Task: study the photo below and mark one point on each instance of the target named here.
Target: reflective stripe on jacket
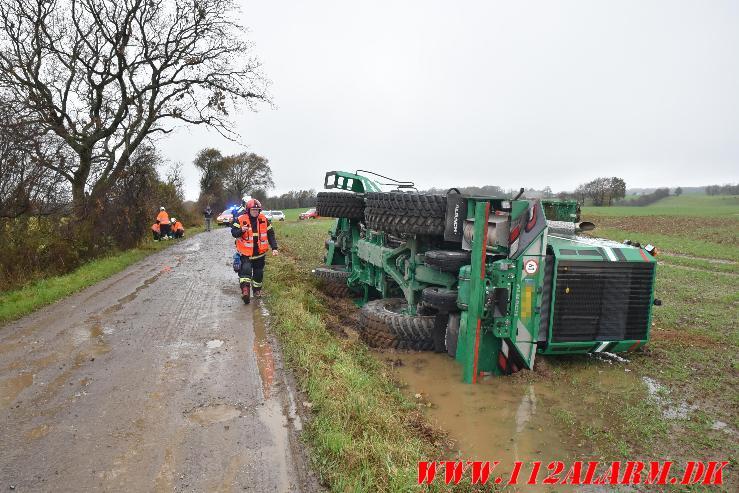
(245, 244)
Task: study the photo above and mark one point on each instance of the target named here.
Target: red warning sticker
(531, 266)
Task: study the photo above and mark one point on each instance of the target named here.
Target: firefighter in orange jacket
(254, 237)
(164, 226)
(156, 231)
(178, 230)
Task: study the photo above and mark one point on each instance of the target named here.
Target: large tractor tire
(447, 260)
(333, 280)
(406, 213)
(444, 300)
(452, 334)
(383, 325)
(383, 340)
(338, 204)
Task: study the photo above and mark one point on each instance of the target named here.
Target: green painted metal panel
(350, 181)
(434, 277)
(469, 346)
(561, 210)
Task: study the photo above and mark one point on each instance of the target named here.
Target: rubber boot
(245, 293)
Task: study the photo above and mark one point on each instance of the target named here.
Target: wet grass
(20, 302)
(673, 243)
(364, 434)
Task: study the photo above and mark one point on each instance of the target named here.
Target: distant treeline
(486, 190)
(648, 198)
(722, 189)
(293, 199)
(600, 192)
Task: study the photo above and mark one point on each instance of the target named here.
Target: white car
(225, 218)
(277, 215)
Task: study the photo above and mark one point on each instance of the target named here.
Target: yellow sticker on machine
(527, 298)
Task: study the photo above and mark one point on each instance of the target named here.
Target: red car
(309, 214)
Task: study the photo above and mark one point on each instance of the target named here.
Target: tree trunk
(80, 200)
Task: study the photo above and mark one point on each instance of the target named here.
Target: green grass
(704, 264)
(673, 243)
(364, 434)
(684, 205)
(20, 302)
(695, 226)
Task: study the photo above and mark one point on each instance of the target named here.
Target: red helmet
(253, 204)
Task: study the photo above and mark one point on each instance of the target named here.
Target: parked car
(309, 214)
(277, 215)
(267, 214)
(226, 217)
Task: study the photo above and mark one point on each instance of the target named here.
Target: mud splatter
(263, 353)
(11, 387)
(38, 432)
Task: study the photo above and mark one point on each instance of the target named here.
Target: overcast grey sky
(508, 93)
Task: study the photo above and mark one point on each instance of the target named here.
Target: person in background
(254, 237)
(208, 213)
(178, 230)
(164, 225)
(156, 231)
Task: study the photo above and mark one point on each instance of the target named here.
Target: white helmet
(161, 208)
(174, 219)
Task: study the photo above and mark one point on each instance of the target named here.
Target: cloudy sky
(524, 93)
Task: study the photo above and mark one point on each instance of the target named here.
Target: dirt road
(157, 379)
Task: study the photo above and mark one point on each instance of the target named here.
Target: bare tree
(26, 187)
(103, 76)
(247, 172)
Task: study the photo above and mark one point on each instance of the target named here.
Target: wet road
(157, 379)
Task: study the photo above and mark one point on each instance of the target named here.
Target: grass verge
(364, 434)
(20, 302)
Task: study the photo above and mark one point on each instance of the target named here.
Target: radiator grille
(602, 301)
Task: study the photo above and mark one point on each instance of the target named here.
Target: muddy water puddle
(497, 419)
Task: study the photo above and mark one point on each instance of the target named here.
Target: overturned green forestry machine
(491, 281)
